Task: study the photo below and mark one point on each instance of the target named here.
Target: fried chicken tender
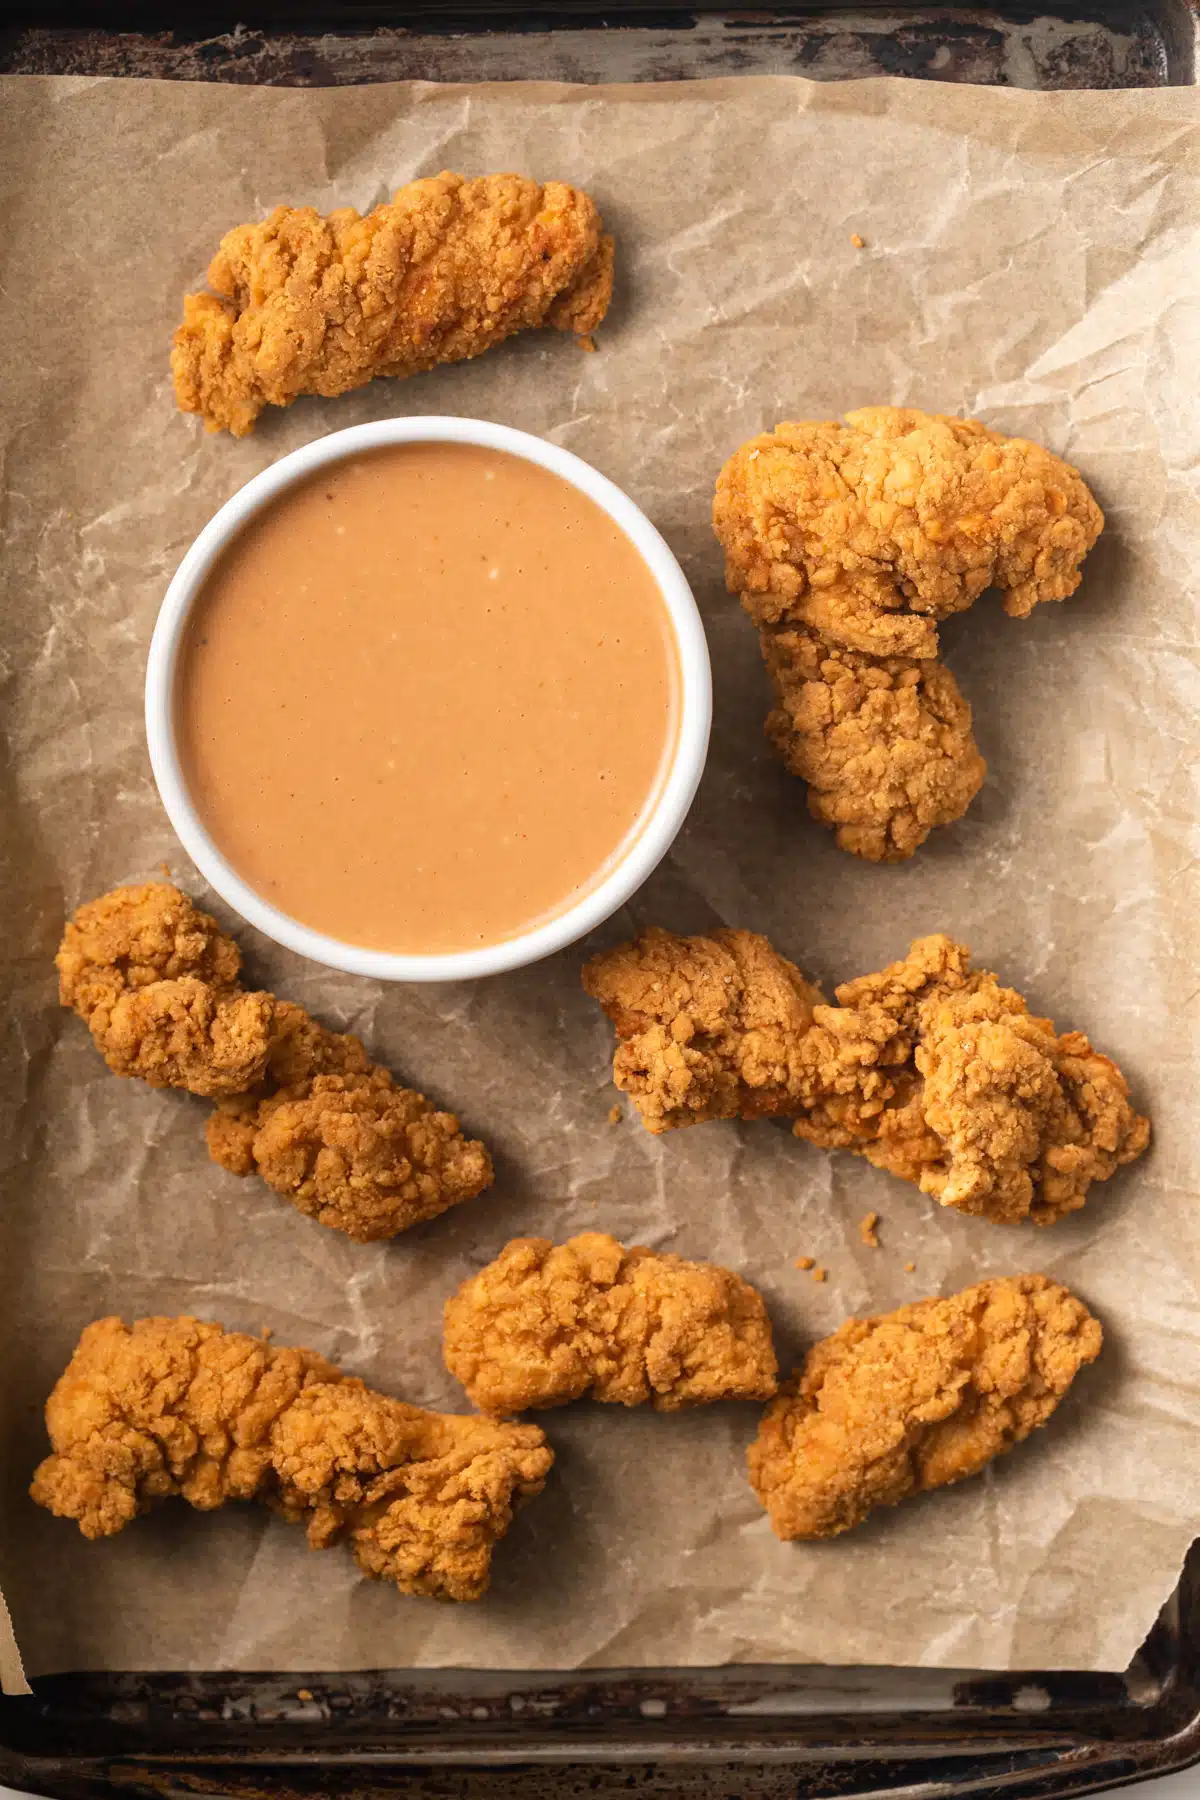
(449, 267)
(165, 1407)
(846, 543)
(422, 1498)
(545, 1323)
(929, 1069)
(304, 1107)
(180, 1407)
(872, 530)
(916, 1399)
(884, 742)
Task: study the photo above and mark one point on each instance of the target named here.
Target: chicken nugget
(156, 981)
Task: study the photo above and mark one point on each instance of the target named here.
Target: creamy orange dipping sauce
(427, 698)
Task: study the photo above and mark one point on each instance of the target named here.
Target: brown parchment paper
(1029, 258)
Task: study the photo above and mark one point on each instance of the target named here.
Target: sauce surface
(426, 698)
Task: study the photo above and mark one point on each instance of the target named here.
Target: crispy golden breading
(163, 1407)
(155, 981)
(846, 543)
(300, 1105)
(711, 1027)
(873, 529)
(309, 305)
(884, 743)
(134, 936)
(354, 1152)
(301, 1049)
(422, 1498)
(928, 1068)
(916, 1399)
(189, 1034)
(545, 1323)
(179, 1407)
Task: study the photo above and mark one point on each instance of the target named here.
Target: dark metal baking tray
(741, 1733)
(1063, 44)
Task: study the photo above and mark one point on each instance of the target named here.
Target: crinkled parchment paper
(1029, 258)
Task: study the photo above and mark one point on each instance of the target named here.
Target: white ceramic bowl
(661, 824)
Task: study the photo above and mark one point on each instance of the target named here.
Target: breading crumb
(818, 1274)
(614, 1115)
(910, 1268)
(304, 1694)
(867, 1231)
(806, 1262)
(859, 243)
(586, 343)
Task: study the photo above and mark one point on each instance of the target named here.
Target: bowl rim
(661, 825)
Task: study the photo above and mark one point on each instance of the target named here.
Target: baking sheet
(1030, 258)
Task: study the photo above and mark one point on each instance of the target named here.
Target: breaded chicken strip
(929, 1069)
(448, 268)
(872, 530)
(165, 1407)
(180, 1407)
(916, 1399)
(883, 742)
(846, 543)
(546, 1323)
(422, 1498)
(304, 1107)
